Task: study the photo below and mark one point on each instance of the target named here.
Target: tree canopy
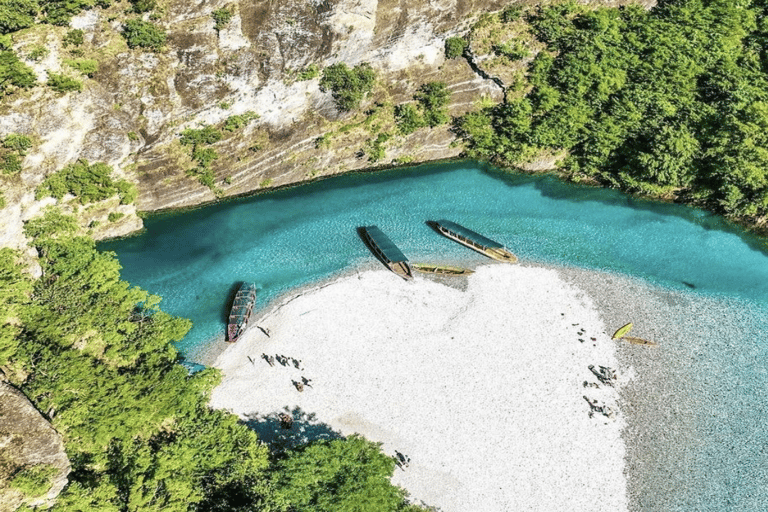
(669, 102)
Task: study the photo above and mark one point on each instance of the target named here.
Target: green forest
(670, 103)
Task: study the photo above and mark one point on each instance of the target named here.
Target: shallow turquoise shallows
(285, 239)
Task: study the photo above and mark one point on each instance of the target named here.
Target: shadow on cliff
(304, 429)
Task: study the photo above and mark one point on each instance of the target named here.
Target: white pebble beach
(481, 388)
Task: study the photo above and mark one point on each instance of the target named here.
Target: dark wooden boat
(242, 307)
(386, 251)
(473, 240)
(441, 269)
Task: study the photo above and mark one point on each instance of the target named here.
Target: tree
(455, 47)
(143, 34)
(14, 73)
(342, 475)
(17, 14)
(348, 86)
(433, 98)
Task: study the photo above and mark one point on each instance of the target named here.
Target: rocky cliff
(33, 464)
(131, 112)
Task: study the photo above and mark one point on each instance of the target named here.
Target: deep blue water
(285, 239)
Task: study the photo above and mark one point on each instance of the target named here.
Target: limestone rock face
(131, 113)
(28, 441)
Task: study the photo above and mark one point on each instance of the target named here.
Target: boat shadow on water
(273, 429)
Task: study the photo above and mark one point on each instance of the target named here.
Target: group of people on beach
(283, 360)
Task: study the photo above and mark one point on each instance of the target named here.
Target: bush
(142, 6)
(62, 83)
(17, 14)
(433, 97)
(126, 191)
(239, 121)
(59, 12)
(310, 72)
(205, 135)
(375, 147)
(88, 67)
(37, 52)
(513, 50)
(221, 17)
(34, 481)
(348, 86)
(408, 118)
(18, 143)
(73, 38)
(455, 47)
(14, 73)
(88, 183)
(204, 156)
(143, 34)
(115, 216)
(511, 13)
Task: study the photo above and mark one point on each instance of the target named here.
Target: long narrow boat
(241, 310)
(386, 251)
(473, 240)
(441, 269)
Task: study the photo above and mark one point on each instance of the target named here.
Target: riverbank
(481, 389)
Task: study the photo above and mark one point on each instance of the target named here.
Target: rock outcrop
(130, 114)
(29, 446)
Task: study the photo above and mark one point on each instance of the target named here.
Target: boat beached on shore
(386, 251)
(446, 270)
(473, 240)
(242, 306)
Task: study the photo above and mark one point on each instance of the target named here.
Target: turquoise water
(292, 237)
(706, 444)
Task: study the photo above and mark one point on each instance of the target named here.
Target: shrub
(17, 14)
(513, 50)
(115, 216)
(34, 481)
(142, 6)
(204, 156)
(205, 135)
(88, 183)
(14, 73)
(348, 86)
(88, 67)
(239, 121)
(511, 13)
(38, 52)
(455, 47)
(59, 12)
(221, 17)
(143, 34)
(18, 143)
(126, 191)
(62, 83)
(73, 38)
(310, 72)
(433, 97)
(408, 118)
(375, 147)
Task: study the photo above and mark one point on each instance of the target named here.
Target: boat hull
(496, 253)
(401, 268)
(240, 312)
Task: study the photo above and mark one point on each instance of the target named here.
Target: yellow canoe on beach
(446, 270)
(622, 331)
